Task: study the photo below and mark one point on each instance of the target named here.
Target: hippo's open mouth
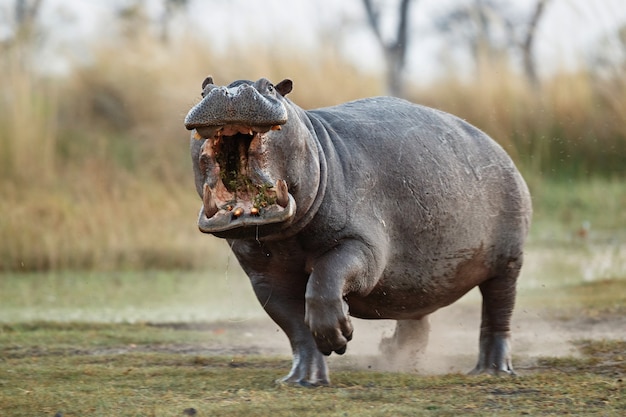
(237, 191)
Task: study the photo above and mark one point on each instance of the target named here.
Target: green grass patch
(600, 298)
(590, 300)
(605, 357)
(33, 338)
(564, 209)
(130, 296)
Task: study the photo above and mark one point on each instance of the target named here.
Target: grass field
(92, 378)
(164, 343)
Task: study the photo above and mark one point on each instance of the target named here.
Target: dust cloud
(453, 342)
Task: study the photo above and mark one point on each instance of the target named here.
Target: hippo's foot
(404, 349)
(329, 323)
(495, 355)
(309, 370)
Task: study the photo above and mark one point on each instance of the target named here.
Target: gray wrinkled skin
(393, 210)
(239, 103)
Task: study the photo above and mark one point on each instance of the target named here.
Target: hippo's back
(425, 181)
(413, 152)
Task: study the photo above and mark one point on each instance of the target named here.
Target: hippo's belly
(411, 289)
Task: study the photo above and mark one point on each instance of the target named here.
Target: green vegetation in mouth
(237, 183)
(242, 187)
(230, 161)
(262, 199)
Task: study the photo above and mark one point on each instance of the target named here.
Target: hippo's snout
(242, 104)
(238, 178)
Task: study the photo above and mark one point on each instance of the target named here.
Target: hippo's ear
(207, 81)
(284, 87)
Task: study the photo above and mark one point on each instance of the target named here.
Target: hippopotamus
(377, 209)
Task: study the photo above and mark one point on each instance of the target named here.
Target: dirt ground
(453, 345)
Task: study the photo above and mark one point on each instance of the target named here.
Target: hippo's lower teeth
(237, 212)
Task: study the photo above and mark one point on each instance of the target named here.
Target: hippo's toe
(495, 355)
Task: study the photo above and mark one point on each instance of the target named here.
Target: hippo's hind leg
(495, 330)
(406, 346)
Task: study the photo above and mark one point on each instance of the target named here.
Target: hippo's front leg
(341, 270)
(279, 280)
(286, 308)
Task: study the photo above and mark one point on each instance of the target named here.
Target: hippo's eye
(270, 88)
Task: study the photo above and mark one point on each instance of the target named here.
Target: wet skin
(377, 208)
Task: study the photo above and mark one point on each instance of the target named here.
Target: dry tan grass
(28, 123)
(574, 126)
(94, 166)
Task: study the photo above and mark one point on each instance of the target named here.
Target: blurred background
(94, 168)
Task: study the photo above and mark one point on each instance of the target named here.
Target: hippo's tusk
(282, 194)
(196, 135)
(210, 207)
(276, 127)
